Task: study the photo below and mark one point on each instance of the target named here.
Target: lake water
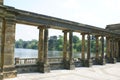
(31, 53)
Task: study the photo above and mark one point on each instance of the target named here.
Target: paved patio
(106, 72)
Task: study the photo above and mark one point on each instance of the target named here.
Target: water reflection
(31, 53)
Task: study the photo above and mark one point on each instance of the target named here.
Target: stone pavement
(105, 72)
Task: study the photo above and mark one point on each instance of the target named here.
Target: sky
(98, 13)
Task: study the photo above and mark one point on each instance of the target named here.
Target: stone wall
(26, 68)
(34, 67)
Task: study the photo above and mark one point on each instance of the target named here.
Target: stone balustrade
(23, 61)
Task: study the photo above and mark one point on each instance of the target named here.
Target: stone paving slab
(105, 72)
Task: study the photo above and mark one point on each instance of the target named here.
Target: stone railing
(22, 61)
(55, 60)
(25, 61)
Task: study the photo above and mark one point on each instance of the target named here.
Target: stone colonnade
(101, 58)
(112, 49)
(7, 41)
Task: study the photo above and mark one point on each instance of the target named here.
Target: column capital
(65, 31)
(83, 33)
(97, 36)
(43, 26)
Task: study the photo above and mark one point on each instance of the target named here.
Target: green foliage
(33, 44)
(56, 43)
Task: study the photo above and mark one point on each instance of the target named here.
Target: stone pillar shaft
(46, 45)
(68, 64)
(102, 41)
(83, 46)
(117, 51)
(1, 43)
(88, 47)
(112, 48)
(1, 2)
(108, 47)
(65, 46)
(7, 48)
(70, 46)
(43, 50)
(97, 46)
(9, 41)
(1, 47)
(40, 45)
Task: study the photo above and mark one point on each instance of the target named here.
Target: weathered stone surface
(69, 65)
(118, 59)
(56, 66)
(111, 60)
(27, 68)
(1, 2)
(44, 68)
(100, 61)
(9, 72)
(1, 75)
(86, 63)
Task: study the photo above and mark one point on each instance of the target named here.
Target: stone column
(112, 57)
(97, 46)
(70, 62)
(107, 47)
(7, 48)
(117, 51)
(1, 2)
(88, 47)
(83, 46)
(88, 61)
(97, 59)
(114, 50)
(70, 46)
(65, 47)
(65, 56)
(83, 49)
(46, 46)
(1, 55)
(40, 45)
(102, 55)
(44, 65)
(119, 48)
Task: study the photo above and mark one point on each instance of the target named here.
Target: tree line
(55, 43)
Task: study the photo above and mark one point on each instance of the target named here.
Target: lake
(31, 53)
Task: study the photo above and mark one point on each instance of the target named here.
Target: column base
(69, 65)
(86, 63)
(111, 60)
(100, 61)
(44, 68)
(1, 76)
(9, 72)
(118, 59)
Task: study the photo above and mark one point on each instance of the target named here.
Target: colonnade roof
(30, 18)
(113, 26)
